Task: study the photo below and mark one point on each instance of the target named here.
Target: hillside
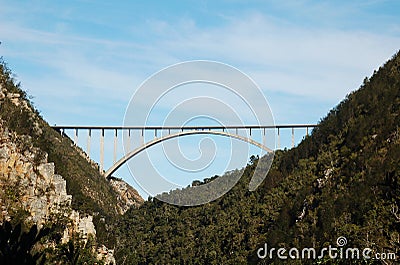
(34, 158)
(342, 180)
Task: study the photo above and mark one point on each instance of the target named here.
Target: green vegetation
(75, 251)
(17, 246)
(343, 180)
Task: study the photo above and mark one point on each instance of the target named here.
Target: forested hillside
(342, 180)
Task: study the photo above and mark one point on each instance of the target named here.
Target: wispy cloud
(315, 62)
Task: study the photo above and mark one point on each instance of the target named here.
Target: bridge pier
(279, 139)
(129, 141)
(264, 138)
(89, 139)
(76, 136)
(115, 145)
(292, 137)
(102, 150)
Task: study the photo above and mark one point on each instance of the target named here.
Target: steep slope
(91, 192)
(343, 180)
(353, 159)
(31, 196)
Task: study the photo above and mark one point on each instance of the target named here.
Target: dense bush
(343, 180)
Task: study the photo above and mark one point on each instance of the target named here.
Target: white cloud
(316, 63)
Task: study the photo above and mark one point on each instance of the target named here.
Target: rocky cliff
(32, 193)
(34, 189)
(127, 196)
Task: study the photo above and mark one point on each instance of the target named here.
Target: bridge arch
(155, 141)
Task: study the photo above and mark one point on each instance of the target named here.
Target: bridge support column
(115, 145)
(102, 150)
(76, 136)
(128, 144)
(264, 138)
(292, 137)
(88, 142)
(279, 139)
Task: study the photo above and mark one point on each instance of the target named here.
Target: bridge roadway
(182, 131)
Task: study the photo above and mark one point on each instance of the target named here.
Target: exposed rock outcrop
(34, 189)
(38, 193)
(128, 196)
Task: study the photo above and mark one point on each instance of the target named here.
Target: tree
(16, 246)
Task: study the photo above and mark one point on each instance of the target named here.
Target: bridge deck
(68, 127)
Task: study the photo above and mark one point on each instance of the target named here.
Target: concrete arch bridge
(170, 132)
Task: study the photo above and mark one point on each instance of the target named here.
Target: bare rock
(127, 196)
(38, 190)
(46, 171)
(13, 95)
(4, 153)
(106, 255)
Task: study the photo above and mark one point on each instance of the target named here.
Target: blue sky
(82, 60)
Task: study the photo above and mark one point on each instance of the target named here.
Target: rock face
(37, 192)
(128, 196)
(35, 189)
(106, 255)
